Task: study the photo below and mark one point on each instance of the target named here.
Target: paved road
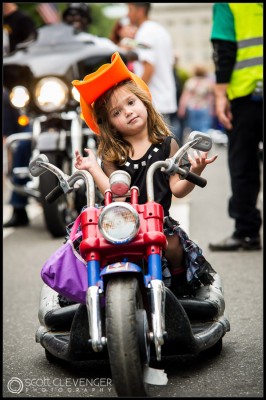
(237, 372)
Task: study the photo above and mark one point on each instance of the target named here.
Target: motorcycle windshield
(57, 51)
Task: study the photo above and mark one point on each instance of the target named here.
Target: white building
(189, 25)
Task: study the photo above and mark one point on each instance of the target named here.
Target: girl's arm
(181, 187)
(91, 165)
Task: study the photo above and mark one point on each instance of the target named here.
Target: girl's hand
(199, 162)
(87, 163)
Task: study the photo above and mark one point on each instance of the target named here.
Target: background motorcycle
(127, 315)
(39, 77)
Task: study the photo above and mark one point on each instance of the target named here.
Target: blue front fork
(93, 269)
(153, 280)
(154, 270)
(154, 267)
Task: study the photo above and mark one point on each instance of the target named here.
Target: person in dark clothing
(18, 28)
(20, 158)
(78, 15)
(237, 38)
(10, 118)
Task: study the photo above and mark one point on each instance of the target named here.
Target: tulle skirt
(198, 270)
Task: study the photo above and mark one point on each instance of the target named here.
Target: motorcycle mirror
(34, 168)
(205, 144)
(119, 182)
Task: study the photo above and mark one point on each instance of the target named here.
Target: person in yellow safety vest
(237, 40)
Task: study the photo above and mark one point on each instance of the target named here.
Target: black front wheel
(127, 336)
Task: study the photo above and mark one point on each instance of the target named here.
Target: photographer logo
(15, 385)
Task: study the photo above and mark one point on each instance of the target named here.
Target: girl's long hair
(112, 147)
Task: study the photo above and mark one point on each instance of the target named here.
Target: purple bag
(66, 271)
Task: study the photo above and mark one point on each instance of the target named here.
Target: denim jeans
(199, 120)
(21, 158)
(22, 151)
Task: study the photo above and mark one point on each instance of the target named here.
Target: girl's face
(127, 113)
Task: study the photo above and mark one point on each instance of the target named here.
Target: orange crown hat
(97, 83)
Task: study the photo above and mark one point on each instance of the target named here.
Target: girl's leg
(185, 257)
(175, 254)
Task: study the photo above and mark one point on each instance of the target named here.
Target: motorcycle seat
(208, 302)
(61, 318)
(198, 309)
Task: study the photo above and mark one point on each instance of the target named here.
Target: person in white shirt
(155, 63)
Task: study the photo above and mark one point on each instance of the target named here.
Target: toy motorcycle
(127, 314)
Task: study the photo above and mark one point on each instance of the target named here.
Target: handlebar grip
(54, 194)
(196, 179)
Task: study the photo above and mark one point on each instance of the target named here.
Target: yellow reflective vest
(248, 68)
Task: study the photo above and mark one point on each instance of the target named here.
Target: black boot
(19, 218)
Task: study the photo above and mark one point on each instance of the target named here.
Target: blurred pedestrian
(196, 105)
(155, 63)
(77, 15)
(180, 76)
(123, 35)
(121, 30)
(237, 38)
(18, 28)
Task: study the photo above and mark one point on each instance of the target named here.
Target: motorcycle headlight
(75, 94)
(19, 96)
(51, 94)
(119, 222)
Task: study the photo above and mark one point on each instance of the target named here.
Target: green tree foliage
(30, 9)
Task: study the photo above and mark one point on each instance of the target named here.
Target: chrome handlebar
(199, 141)
(40, 165)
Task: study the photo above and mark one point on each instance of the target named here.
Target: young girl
(117, 105)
